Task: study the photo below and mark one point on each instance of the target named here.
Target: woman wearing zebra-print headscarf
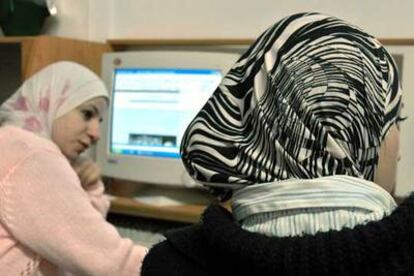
(303, 134)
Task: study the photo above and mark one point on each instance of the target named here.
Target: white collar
(330, 192)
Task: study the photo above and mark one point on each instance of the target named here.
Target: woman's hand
(88, 172)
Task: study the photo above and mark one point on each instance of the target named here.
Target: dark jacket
(218, 246)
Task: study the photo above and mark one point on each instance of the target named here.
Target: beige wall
(102, 19)
(246, 18)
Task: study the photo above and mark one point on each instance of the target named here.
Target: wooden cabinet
(23, 56)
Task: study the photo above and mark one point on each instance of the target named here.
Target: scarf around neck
(296, 207)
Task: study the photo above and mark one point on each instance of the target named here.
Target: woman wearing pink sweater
(52, 206)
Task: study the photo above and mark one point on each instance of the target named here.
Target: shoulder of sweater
(20, 140)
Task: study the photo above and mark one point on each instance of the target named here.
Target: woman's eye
(399, 120)
(87, 114)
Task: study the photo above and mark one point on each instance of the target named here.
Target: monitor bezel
(145, 169)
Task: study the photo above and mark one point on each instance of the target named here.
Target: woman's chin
(71, 155)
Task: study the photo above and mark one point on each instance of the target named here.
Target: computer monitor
(153, 97)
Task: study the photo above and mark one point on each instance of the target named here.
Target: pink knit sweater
(48, 223)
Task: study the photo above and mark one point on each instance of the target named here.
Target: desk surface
(189, 213)
(182, 204)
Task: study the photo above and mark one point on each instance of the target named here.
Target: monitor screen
(154, 95)
(153, 106)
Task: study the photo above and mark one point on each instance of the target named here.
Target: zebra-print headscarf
(313, 96)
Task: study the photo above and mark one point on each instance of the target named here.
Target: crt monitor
(154, 96)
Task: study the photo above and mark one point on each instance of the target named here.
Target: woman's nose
(93, 130)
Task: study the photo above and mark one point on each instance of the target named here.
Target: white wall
(72, 20)
(405, 167)
(99, 20)
(247, 18)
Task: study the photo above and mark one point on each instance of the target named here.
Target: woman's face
(78, 129)
(386, 172)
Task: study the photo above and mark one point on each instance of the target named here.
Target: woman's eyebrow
(94, 109)
(401, 108)
(97, 112)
